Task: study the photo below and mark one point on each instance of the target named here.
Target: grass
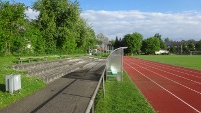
(29, 84)
(188, 61)
(122, 97)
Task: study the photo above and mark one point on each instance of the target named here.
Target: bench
(30, 59)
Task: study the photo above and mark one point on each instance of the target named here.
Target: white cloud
(31, 14)
(176, 26)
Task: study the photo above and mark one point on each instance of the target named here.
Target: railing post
(104, 84)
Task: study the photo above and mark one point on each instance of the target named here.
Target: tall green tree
(162, 43)
(35, 38)
(86, 36)
(133, 42)
(198, 46)
(173, 49)
(167, 40)
(62, 27)
(185, 48)
(191, 46)
(46, 23)
(117, 43)
(151, 45)
(12, 26)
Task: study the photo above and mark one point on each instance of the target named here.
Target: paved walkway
(69, 94)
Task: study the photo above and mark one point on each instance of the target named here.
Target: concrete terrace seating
(51, 70)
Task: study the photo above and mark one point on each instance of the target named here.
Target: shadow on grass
(2, 87)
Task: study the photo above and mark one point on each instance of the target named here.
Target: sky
(175, 19)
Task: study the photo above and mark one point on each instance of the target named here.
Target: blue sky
(141, 5)
(176, 19)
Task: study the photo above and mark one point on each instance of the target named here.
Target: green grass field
(189, 61)
(122, 97)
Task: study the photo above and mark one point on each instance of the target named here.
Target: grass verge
(122, 97)
(29, 84)
(188, 61)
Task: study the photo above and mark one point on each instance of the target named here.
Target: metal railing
(90, 108)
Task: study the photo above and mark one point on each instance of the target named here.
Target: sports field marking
(172, 73)
(171, 80)
(168, 67)
(164, 89)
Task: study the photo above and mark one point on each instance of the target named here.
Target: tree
(86, 37)
(117, 43)
(198, 46)
(162, 43)
(167, 40)
(12, 26)
(133, 42)
(101, 38)
(144, 46)
(184, 47)
(62, 27)
(151, 45)
(173, 49)
(35, 38)
(191, 46)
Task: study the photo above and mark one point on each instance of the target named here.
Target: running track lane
(169, 89)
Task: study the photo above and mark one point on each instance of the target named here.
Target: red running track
(169, 89)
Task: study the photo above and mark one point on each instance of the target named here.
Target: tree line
(59, 28)
(137, 45)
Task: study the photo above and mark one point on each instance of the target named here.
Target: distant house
(105, 46)
(178, 44)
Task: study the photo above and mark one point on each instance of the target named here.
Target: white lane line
(171, 80)
(166, 90)
(169, 72)
(166, 67)
(177, 68)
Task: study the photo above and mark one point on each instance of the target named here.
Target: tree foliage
(12, 28)
(191, 46)
(150, 45)
(117, 43)
(162, 43)
(133, 42)
(58, 28)
(198, 46)
(101, 38)
(185, 47)
(173, 49)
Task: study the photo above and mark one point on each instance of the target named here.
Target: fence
(115, 63)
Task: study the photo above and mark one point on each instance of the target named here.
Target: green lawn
(189, 61)
(29, 84)
(122, 97)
